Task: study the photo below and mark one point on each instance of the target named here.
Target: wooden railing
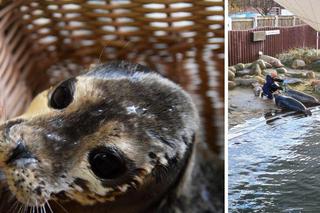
(264, 21)
(242, 48)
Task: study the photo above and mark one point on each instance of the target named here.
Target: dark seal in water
(289, 103)
(304, 98)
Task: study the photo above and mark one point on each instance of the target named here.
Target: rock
(233, 106)
(315, 66)
(268, 65)
(317, 89)
(296, 74)
(261, 63)
(239, 67)
(232, 69)
(282, 70)
(231, 75)
(243, 73)
(291, 81)
(257, 89)
(316, 86)
(310, 75)
(231, 85)
(267, 71)
(247, 76)
(315, 82)
(245, 82)
(260, 79)
(248, 66)
(271, 60)
(256, 70)
(298, 64)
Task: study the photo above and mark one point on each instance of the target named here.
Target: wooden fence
(264, 21)
(242, 48)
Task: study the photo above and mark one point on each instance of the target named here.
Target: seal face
(119, 133)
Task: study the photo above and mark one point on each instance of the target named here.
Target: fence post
(276, 21)
(294, 21)
(255, 22)
(230, 21)
(317, 42)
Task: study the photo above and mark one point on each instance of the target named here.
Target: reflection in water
(275, 167)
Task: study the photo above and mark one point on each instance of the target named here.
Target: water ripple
(275, 166)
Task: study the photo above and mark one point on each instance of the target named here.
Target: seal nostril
(19, 152)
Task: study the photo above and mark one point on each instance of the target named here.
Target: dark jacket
(270, 85)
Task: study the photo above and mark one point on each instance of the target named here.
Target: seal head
(289, 103)
(118, 135)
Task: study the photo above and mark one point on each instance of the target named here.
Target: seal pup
(289, 103)
(117, 139)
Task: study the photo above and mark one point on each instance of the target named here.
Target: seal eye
(62, 95)
(107, 163)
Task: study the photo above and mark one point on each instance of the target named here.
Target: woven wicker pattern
(34, 35)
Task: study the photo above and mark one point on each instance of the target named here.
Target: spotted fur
(126, 107)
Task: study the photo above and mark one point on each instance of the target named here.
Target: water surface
(275, 167)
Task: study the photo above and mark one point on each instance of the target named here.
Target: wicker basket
(169, 35)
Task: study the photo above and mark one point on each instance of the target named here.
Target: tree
(262, 6)
(235, 5)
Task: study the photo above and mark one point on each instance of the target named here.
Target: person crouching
(271, 85)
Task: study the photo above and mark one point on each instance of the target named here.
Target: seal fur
(149, 121)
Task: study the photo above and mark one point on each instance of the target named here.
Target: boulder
(268, 65)
(272, 60)
(256, 69)
(231, 75)
(257, 89)
(262, 64)
(315, 66)
(316, 86)
(239, 66)
(267, 71)
(310, 75)
(232, 69)
(292, 81)
(315, 82)
(245, 82)
(243, 72)
(298, 64)
(260, 79)
(248, 65)
(282, 70)
(296, 74)
(231, 85)
(317, 89)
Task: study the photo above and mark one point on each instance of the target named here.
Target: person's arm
(278, 80)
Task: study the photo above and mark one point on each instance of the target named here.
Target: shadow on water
(274, 166)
